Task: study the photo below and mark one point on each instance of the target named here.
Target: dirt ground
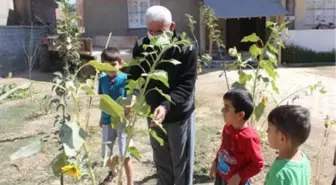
(26, 118)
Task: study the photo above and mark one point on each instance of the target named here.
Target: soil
(25, 118)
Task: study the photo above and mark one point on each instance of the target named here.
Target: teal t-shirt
(289, 172)
(114, 87)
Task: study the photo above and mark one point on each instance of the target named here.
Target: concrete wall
(318, 40)
(12, 41)
(105, 16)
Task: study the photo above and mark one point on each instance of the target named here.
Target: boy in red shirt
(239, 157)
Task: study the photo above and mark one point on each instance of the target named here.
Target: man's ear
(172, 26)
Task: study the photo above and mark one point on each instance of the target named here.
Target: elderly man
(174, 160)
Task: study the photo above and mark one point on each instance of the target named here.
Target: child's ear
(283, 138)
(241, 115)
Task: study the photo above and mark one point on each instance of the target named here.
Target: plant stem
(89, 163)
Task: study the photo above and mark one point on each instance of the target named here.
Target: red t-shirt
(240, 152)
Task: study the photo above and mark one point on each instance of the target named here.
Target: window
(137, 10)
(320, 11)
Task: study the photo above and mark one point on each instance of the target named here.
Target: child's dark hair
(241, 101)
(111, 54)
(293, 121)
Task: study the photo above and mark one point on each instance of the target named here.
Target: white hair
(158, 13)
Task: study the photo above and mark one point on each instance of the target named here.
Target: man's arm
(187, 79)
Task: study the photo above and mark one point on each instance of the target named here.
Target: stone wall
(12, 42)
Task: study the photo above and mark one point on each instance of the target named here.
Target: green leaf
(251, 38)
(89, 91)
(145, 46)
(58, 163)
(323, 90)
(183, 35)
(173, 61)
(255, 51)
(73, 137)
(161, 76)
(134, 62)
(237, 85)
(144, 110)
(110, 107)
(134, 152)
(158, 124)
(186, 42)
(164, 95)
(260, 108)
(273, 48)
(269, 24)
(243, 77)
(26, 151)
(268, 68)
(274, 87)
(11, 91)
(272, 57)
(103, 67)
(156, 137)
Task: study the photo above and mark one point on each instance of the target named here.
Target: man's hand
(160, 113)
(235, 180)
(213, 170)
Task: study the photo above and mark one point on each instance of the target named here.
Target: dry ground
(25, 118)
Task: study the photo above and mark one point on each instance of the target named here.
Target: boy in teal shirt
(288, 128)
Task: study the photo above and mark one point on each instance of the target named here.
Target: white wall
(318, 40)
(5, 5)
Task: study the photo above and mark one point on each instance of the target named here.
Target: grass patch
(296, 54)
(13, 118)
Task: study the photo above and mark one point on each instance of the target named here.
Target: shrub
(297, 54)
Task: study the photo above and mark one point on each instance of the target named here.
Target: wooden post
(281, 20)
(210, 46)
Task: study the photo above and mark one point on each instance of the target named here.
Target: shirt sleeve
(256, 161)
(187, 80)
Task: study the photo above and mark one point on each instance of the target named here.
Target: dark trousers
(220, 181)
(175, 159)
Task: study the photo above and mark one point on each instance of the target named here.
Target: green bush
(297, 54)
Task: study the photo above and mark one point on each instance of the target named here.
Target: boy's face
(230, 115)
(276, 138)
(117, 65)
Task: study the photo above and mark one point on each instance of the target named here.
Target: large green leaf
(243, 77)
(269, 24)
(161, 76)
(272, 58)
(110, 107)
(134, 152)
(103, 67)
(156, 137)
(268, 68)
(251, 38)
(273, 48)
(133, 62)
(164, 95)
(158, 124)
(260, 108)
(73, 137)
(255, 51)
(58, 163)
(144, 110)
(26, 151)
(274, 87)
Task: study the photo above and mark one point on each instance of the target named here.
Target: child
(288, 128)
(113, 84)
(239, 157)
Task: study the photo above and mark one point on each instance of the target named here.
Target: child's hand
(100, 124)
(235, 180)
(213, 170)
